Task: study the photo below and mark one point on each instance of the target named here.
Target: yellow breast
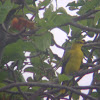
(74, 62)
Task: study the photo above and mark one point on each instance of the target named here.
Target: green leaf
(35, 88)
(2, 85)
(3, 75)
(54, 19)
(20, 65)
(29, 1)
(63, 77)
(89, 5)
(61, 19)
(41, 31)
(76, 32)
(95, 94)
(65, 28)
(14, 51)
(98, 24)
(29, 69)
(90, 22)
(97, 78)
(49, 17)
(97, 18)
(42, 42)
(38, 64)
(23, 88)
(19, 76)
(41, 22)
(71, 4)
(48, 12)
(75, 96)
(61, 10)
(97, 53)
(90, 34)
(44, 3)
(74, 4)
(4, 10)
(83, 22)
(26, 11)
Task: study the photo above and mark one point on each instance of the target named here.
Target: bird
(72, 60)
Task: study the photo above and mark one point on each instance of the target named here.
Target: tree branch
(31, 84)
(85, 28)
(86, 15)
(15, 80)
(87, 71)
(86, 87)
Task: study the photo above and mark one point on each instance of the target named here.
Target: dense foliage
(34, 36)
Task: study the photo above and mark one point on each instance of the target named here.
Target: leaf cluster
(28, 51)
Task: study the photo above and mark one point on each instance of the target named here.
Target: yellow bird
(72, 60)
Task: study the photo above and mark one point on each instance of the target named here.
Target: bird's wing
(65, 60)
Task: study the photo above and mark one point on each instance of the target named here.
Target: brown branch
(86, 87)
(88, 64)
(92, 83)
(87, 71)
(15, 80)
(18, 93)
(85, 28)
(96, 60)
(47, 86)
(85, 16)
(92, 44)
(57, 44)
(49, 96)
(29, 8)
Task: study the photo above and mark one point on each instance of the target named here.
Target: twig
(30, 9)
(92, 83)
(49, 96)
(57, 45)
(14, 77)
(96, 60)
(18, 93)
